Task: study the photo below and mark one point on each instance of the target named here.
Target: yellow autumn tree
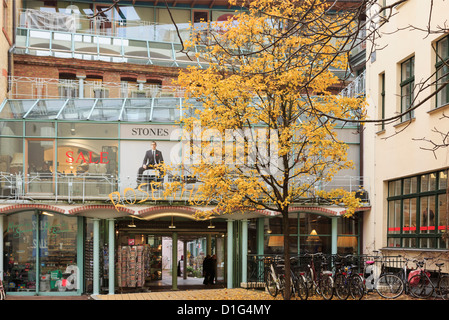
(256, 135)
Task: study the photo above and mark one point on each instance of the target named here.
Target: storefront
(41, 252)
(74, 218)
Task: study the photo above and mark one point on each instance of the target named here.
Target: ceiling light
(132, 225)
(172, 226)
(47, 214)
(211, 226)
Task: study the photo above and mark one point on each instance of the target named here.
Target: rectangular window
(382, 99)
(442, 72)
(407, 87)
(417, 211)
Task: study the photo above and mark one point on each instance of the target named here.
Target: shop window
(417, 216)
(19, 233)
(58, 253)
(87, 157)
(11, 165)
(87, 168)
(11, 155)
(49, 236)
(39, 157)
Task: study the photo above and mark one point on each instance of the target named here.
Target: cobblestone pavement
(218, 294)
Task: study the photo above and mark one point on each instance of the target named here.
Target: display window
(40, 252)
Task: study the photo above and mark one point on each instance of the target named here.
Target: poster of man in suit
(145, 150)
(153, 157)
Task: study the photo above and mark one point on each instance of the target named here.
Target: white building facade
(406, 72)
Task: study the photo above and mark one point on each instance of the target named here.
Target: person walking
(213, 269)
(207, 262)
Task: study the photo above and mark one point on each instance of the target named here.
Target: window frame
(382, 99)
(398, 232)
(440, 61)
(407, 82)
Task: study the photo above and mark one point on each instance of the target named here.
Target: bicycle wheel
(282, 285)
(443, 287)
(420, 286)
(327, 287)
(270, 284)
(341, 289)
(389, 286)
(2, 291)
(356, 287)
(301, 289)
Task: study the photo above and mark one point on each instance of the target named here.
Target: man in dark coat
(207, 263)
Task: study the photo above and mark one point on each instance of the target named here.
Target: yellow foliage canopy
(268, 87)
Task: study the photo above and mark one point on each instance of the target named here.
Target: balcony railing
(62, 44)
(103, 26)
(48, 88)
(356, 88)
(89, 187)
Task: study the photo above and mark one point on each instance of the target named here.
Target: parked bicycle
(404, 273)
(421, 286)
(274, 277)
(388, 285)
(349, 281)
(2, 290)
(318, 279)
(298, 280)
(340, 289)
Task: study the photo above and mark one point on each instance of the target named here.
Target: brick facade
(51, 68)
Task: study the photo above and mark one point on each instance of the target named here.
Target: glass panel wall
(310, 233)
(58, 253)
(20, 243)
(417, 213)
(40, 251)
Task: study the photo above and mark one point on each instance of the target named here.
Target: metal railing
(63, 44)
(50, 88)
(356, 88)
(258, 264)
(89, 186)
(104, 26)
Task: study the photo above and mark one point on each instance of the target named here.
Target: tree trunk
(285, 223)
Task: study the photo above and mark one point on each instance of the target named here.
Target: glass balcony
(62, 44)
(356, 88)
(130, 27)
(104, 109)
